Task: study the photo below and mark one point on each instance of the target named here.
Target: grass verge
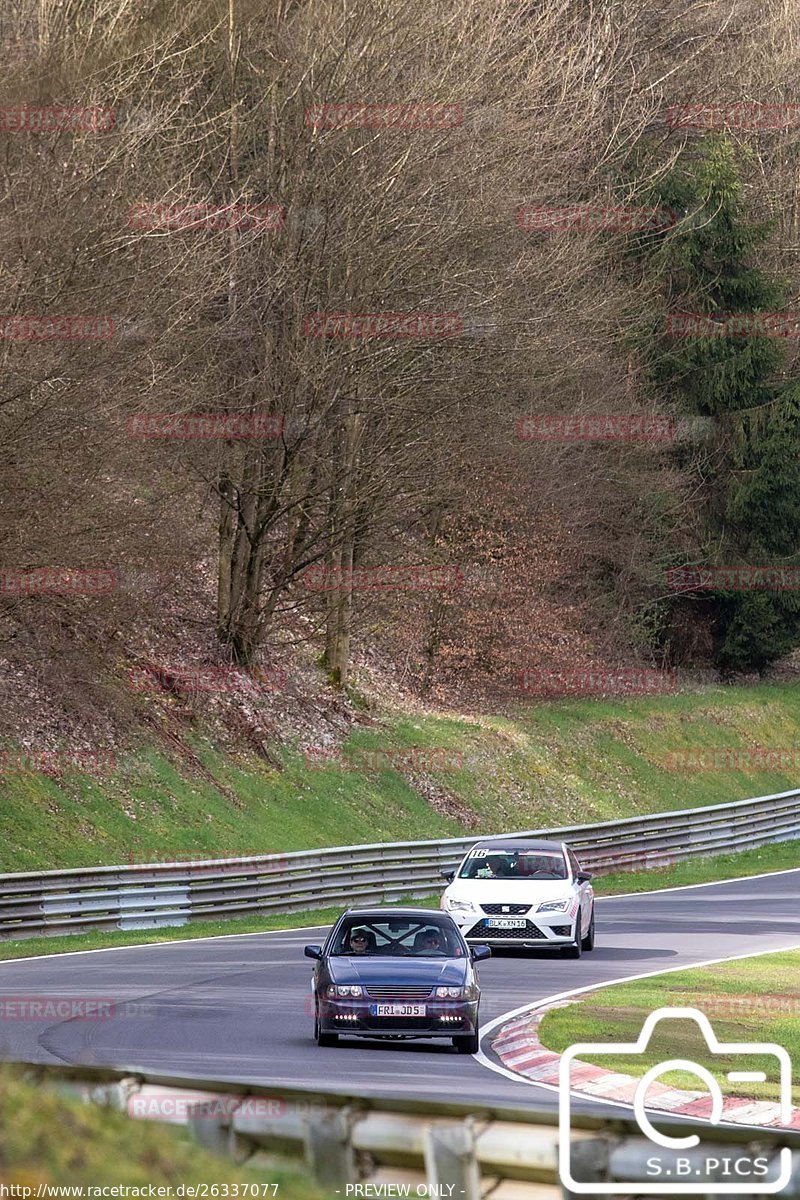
(746, 1000)
(48, 1138)
(782, 856)
(111, 939)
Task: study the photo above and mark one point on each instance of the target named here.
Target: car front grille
(531, 932)
(509, 910)
(399, 992)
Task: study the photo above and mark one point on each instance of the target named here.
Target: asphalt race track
(237, 1008)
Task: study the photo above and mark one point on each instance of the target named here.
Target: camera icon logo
(668, 1169)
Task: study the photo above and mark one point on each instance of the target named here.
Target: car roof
(384, 913)
(521, 843)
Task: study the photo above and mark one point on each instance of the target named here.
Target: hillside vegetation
(442, 430)
(47, 1138)
(558, 763)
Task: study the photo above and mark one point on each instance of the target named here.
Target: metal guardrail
(158, 894)
(467, 1151)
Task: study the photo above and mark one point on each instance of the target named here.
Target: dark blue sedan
(396, 973)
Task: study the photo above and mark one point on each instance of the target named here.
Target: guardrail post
(212, 1132)
(211, 1126)
(329, 1151)
(589, 1163)
(450, 1159)
(116, 1095)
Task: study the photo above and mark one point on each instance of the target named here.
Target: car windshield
(484, 863)
(417, 937)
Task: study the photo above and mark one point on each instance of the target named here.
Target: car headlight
(347, 989)
(555, 905)
(449, 993)
(461, 906)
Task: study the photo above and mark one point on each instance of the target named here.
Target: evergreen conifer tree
(732, 375)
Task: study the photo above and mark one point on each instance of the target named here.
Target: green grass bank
(556, 762)
(746, 1000)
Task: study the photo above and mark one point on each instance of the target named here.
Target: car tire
(575, 950)
(322, 1038)
(469, 1044)
(588, 941)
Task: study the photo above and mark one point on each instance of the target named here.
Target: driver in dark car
(359, 943)
(432, 942)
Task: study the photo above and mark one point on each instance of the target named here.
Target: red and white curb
(519, 1049)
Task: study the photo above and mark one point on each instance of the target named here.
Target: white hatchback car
(520, 892)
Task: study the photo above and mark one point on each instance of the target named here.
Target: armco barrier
(439, 1148)
(145, 897)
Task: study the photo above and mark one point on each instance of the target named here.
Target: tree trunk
(333, 566)
(225, 566)
(344, 615)
(229, 530)
(340, 607)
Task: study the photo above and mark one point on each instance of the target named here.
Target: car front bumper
(540, 929)
(443, 1019)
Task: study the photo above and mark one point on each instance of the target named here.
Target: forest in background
(383, 454)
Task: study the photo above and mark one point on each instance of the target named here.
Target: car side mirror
(583, 876)
(478, 953)
(313, 952)
(448, 875)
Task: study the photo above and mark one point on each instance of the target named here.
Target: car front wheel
(574, 951)
(588, 941)
(324, 1039)
(469, 1044)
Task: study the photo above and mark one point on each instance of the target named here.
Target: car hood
(385, 972)
(509, 891)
